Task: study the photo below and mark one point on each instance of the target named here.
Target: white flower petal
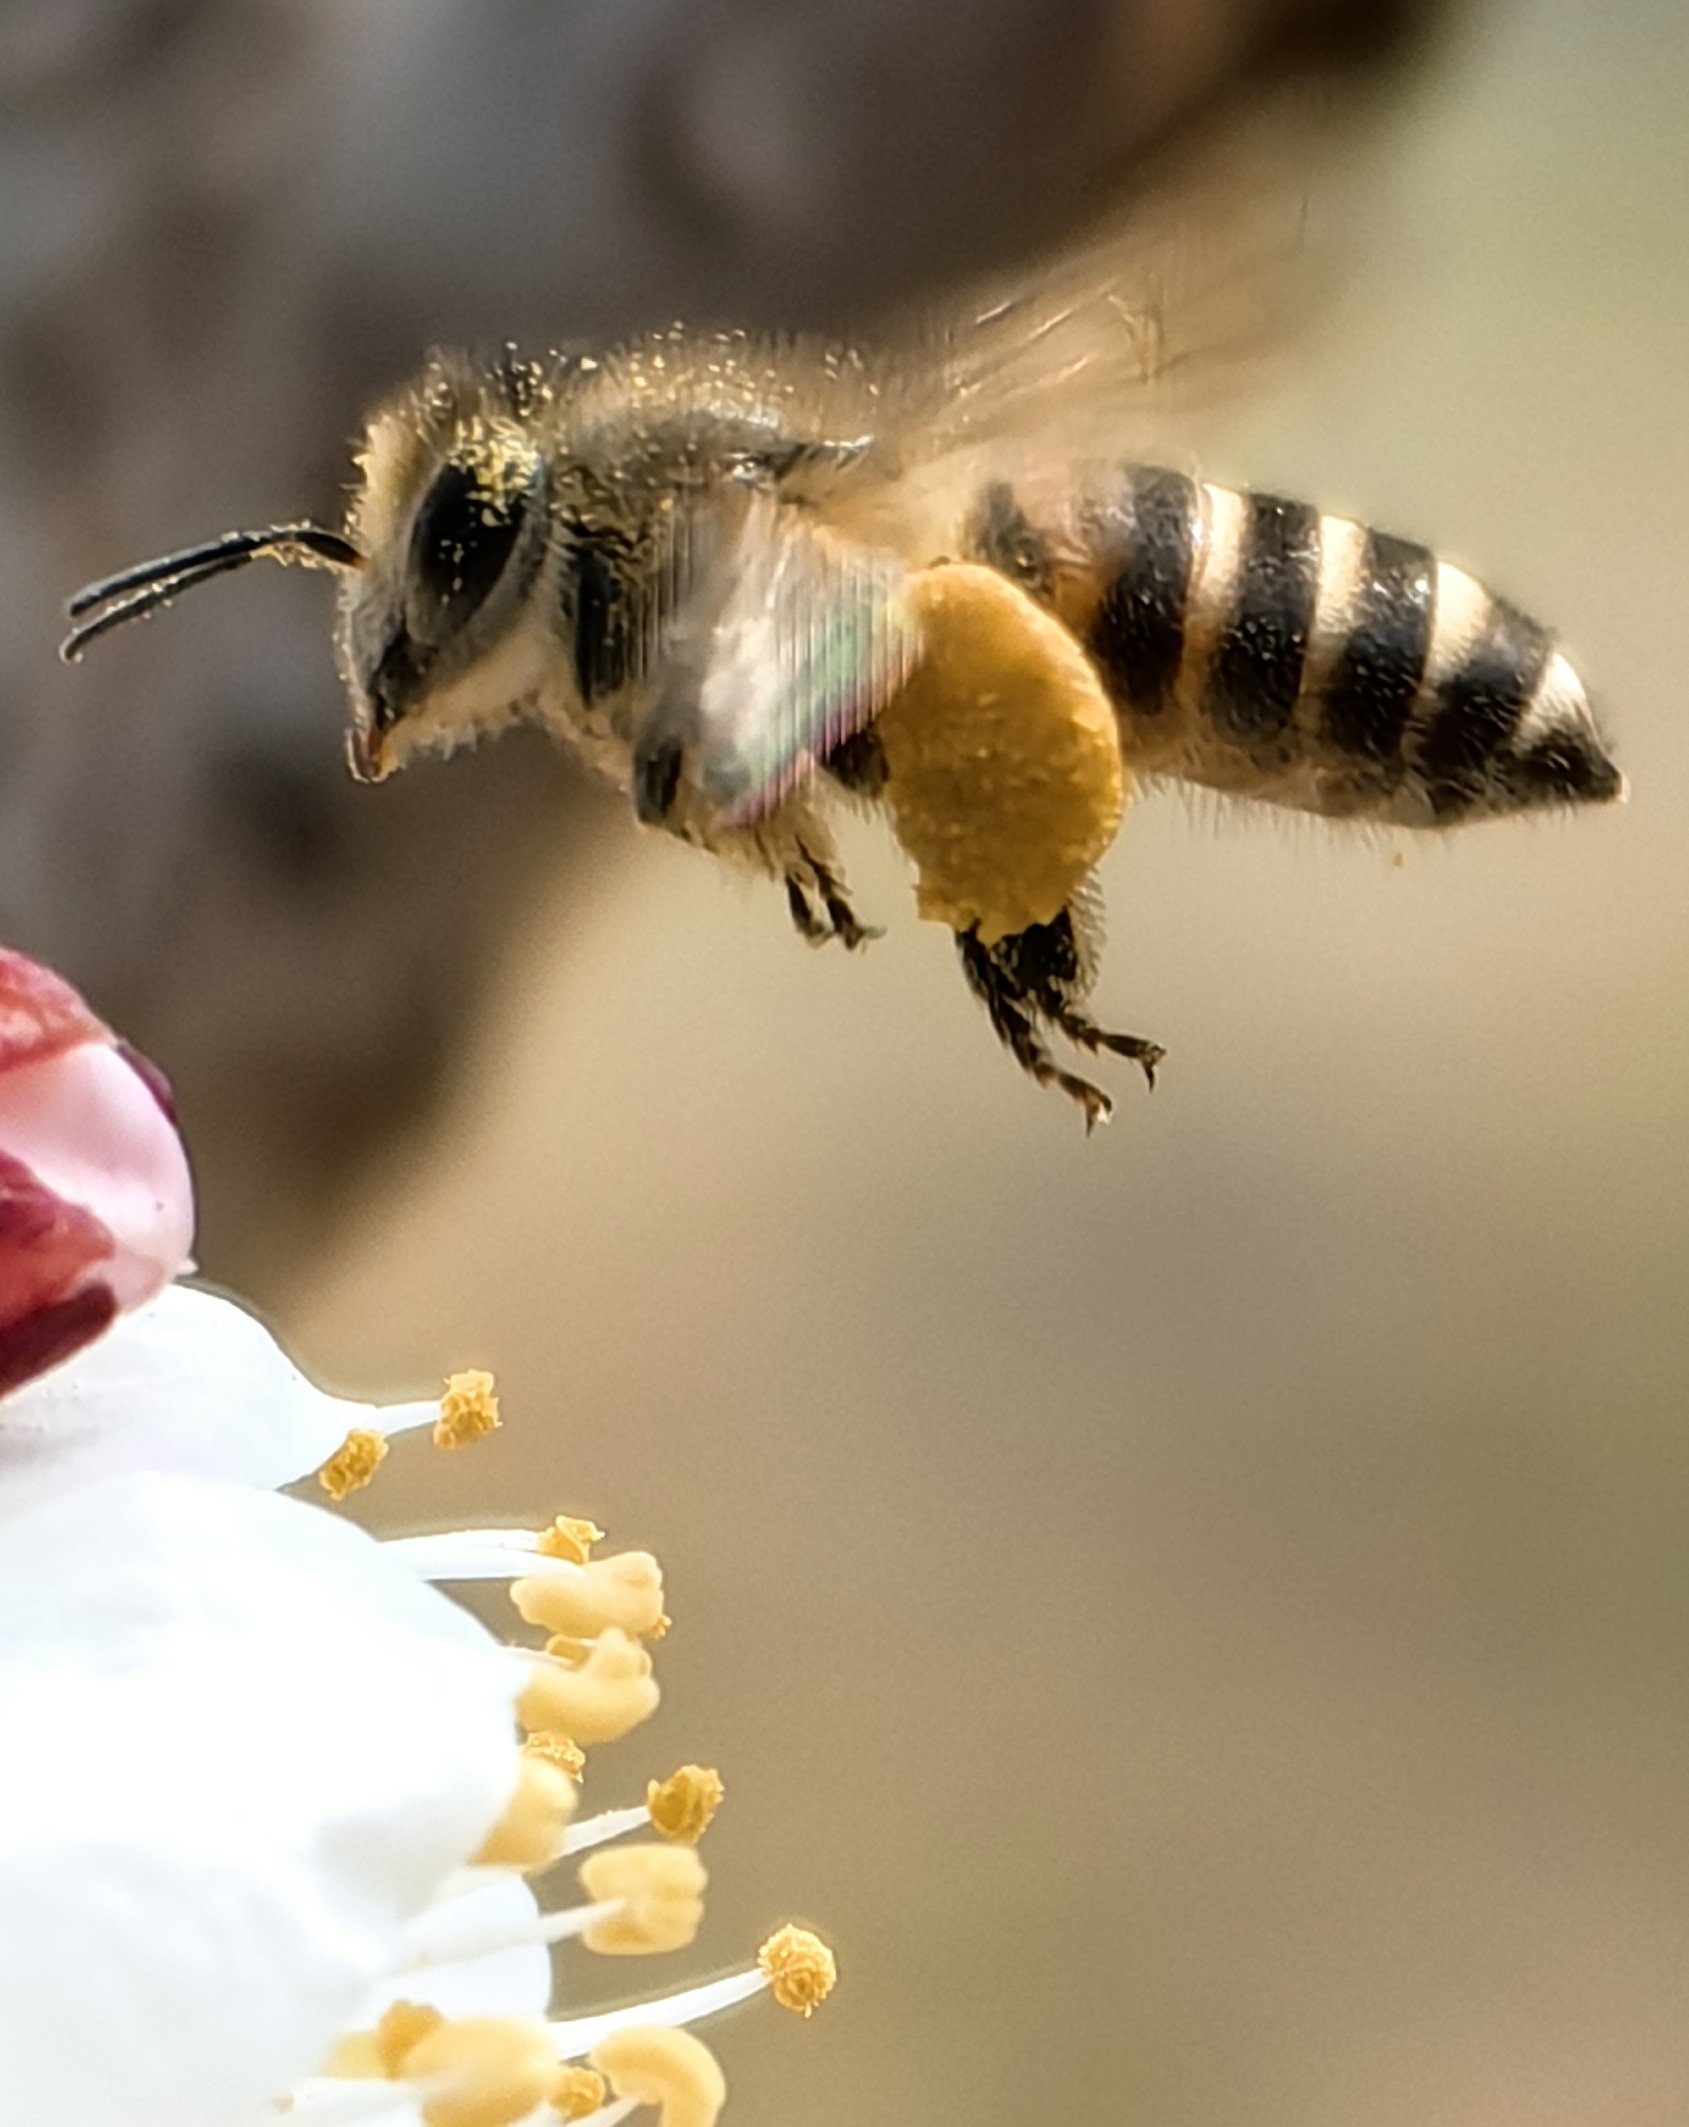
(190, 1382)
(242, 1751)
(506, 1982)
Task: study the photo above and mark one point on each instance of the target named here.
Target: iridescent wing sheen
(795, 639)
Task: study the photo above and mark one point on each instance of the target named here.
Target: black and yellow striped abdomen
(1262, 647)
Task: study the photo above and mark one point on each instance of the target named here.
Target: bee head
(447, 532)
(451, 518)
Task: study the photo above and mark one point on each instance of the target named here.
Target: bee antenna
(150, 584)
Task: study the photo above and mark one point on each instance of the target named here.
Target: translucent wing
(794, 639)
(802, 629)
(1222, 256)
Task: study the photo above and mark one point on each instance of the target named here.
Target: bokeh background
(1199, 1614)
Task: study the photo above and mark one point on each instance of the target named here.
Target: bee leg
(1084, 1033)
(1052, 963)
(1014, 1017)
(829, 887)
(805, 921)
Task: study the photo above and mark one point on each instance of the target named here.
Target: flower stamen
(596, 1699)
(530, 1834)
(572, 1539)
(468, 1409)
(661, 2066)
(625, 1590)
(800, 1969)
(655, 1895)
(354, 1463)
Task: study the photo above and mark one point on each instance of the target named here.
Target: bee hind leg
(1014, 1017)
(1084, 1033)
(1043, 973)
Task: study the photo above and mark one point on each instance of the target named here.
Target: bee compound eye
(461, 543)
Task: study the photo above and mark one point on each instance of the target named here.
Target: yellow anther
(482, 2071)
(682, 1805)
(659, 1894)
(530, 1833)
(669, 2069)
(626, 1590)
(402, 2028)
(353, 1463)
(660, 1630)
(353, 2058)
(576, 2092)
(561, 1751)
(597, 1701)
(570, 1539)
(468, 1410)
(800, 1969)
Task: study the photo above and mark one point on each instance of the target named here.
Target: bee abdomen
(1261, 647)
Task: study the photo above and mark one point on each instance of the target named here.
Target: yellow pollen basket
(597, 1700)
(1004, 782)
(660, 1895)
(669, 2069)
(625, 1591)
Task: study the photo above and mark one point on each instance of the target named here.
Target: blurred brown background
(1199, 1614)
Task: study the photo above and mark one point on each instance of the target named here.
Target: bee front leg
(809, 926)
(817, 875)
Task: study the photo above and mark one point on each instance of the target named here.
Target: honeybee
(747, 580)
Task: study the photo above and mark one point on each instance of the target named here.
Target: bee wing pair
(789, 640)
(801, 626)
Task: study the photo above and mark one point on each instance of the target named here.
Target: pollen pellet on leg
(667, 2068)
(1004, 779)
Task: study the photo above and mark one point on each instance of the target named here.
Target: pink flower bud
(96, 1203)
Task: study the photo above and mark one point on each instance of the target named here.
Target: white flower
(264, 1824)
(243, 1751)
(191, 1381)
